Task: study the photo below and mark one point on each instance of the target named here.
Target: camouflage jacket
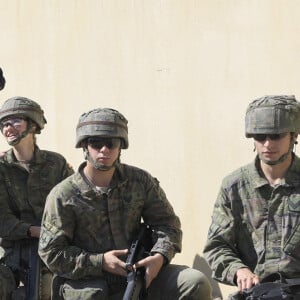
(23, 193)
(81, 223)
(255, 225)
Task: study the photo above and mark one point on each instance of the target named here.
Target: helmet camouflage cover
(272, 114)
(21, 106)
(104, 122)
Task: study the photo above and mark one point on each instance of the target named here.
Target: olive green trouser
(174, 282)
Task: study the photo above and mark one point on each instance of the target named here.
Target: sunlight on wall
(182, 72)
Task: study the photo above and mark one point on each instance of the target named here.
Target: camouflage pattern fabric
(80, 223)
(272, 114)
(174, 282)
(23, 196)
(256, 225)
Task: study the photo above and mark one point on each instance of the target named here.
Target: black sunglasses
(98, 143)
(11, 121)
(272, 137)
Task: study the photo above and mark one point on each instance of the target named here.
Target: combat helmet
(105, 122)
(272, 114)
(21, 106)
(275, 114)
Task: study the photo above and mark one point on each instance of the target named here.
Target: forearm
(223, 261)
(165, 248)
(12, 228)
(167, 240)
(69, 261)
(159, 214)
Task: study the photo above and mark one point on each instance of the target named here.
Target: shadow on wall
(201, 265)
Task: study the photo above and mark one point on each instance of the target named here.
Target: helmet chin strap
(281, 158)
(98, 166)
(17, 140)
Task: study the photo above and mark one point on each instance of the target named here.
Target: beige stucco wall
(182, 72)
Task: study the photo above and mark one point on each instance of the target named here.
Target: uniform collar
(292, 177)
(293, 174)
(119, 177)
(37, 156)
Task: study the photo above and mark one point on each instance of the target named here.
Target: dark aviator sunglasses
(272, 137)
(98, 143)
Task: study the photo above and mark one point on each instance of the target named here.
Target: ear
(33, 127)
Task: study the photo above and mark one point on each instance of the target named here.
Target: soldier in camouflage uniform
(91, 218)
(256, 218)
(27, 174)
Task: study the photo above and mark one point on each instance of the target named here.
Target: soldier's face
(12, 127)
(272, 147)
(104, 151)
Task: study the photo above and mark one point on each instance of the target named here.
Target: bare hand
(34, 231)
(245, 279)
(152, 265)
(112, 264)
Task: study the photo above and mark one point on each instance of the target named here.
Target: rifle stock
(140, 248)
(135, 285)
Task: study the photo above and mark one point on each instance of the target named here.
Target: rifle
(274, 286)
(140, 248)
(33, 272)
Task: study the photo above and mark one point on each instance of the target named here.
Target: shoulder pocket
(219, 223)
(294, 203)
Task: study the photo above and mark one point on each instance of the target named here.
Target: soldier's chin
(270, 162)
(12, 142)
(103, 167)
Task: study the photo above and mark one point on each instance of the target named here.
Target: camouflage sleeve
(220, 250)
(159, 213)
(68, 170)
(55, 248)
(63, 168)
(11, 227)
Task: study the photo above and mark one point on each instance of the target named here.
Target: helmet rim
(103, 122)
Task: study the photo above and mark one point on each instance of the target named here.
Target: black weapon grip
(33, 272)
